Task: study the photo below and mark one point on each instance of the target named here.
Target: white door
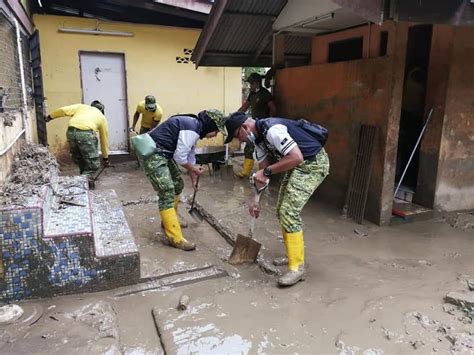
(103, 79)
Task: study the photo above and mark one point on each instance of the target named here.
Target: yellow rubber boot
(246, 168)
(176, 203)
(173, 233)
(282, 260)
(295, 251)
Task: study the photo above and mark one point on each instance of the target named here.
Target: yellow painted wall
(150, 60)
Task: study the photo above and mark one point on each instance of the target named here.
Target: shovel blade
(245, 250)
(197, 216)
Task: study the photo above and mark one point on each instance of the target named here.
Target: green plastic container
(144, 146)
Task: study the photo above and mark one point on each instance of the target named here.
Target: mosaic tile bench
(65, 240)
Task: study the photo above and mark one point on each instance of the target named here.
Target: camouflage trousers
(83, 146)
(166, 179)
(296, 188)
(144, 130)
(248, 150)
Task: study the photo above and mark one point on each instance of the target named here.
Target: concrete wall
(150, 59)
(342, 96)
(455, 185)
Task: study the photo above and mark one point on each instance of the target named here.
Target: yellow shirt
(148, 117)
(86, 117)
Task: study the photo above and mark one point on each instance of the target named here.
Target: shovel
(193, 211)
(246, 248)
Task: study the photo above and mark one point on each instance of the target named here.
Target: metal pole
(413, 152)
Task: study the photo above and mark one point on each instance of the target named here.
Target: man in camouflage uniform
(261, 104)
(298, 154)
(81, 135)
(175, 144)
(151, 114)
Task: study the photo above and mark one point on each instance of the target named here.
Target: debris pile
(32, 168)
(461, 220)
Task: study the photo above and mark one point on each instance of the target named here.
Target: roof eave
(211, 24)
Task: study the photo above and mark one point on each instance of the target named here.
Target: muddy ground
(368, 290)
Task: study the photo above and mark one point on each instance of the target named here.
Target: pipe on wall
(24, 108)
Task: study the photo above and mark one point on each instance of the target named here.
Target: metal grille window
(10, 79)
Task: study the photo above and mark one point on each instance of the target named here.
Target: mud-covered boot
(172, 229)
(280, 261)
(291, 277)
(184, 244)
(294, 243)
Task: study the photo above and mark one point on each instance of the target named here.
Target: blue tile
(17, 220)
(25, 225)
(93, 272)
(74, 255)
(79, 282)
(28, 215)
(16, 280)
(17, 256)
(57, 269)
(7, 236)
(30, 233)
(26, 262)
(14, 266)
(65, 276)
(23, 273)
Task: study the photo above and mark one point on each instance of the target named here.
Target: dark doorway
(413, 105)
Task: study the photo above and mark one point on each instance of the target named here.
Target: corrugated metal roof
(239, 33)
(267, 7)
(243, 28)
(234, 33)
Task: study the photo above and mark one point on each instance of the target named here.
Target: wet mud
(368, 290)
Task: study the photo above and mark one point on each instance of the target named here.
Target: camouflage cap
(150, 103)
(98, 105)
(219, 119)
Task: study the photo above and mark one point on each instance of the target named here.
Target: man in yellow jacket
(151, 114)
(81, 135)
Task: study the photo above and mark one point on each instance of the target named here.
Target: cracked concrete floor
(373, 291)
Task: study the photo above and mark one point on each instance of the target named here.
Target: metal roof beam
(208, 31)
(159, 8)
(249, 14)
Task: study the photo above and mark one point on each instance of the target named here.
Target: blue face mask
(251, 137)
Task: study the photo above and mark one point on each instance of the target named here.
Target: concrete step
(69, 211)
(112, 235)
(114, 244)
